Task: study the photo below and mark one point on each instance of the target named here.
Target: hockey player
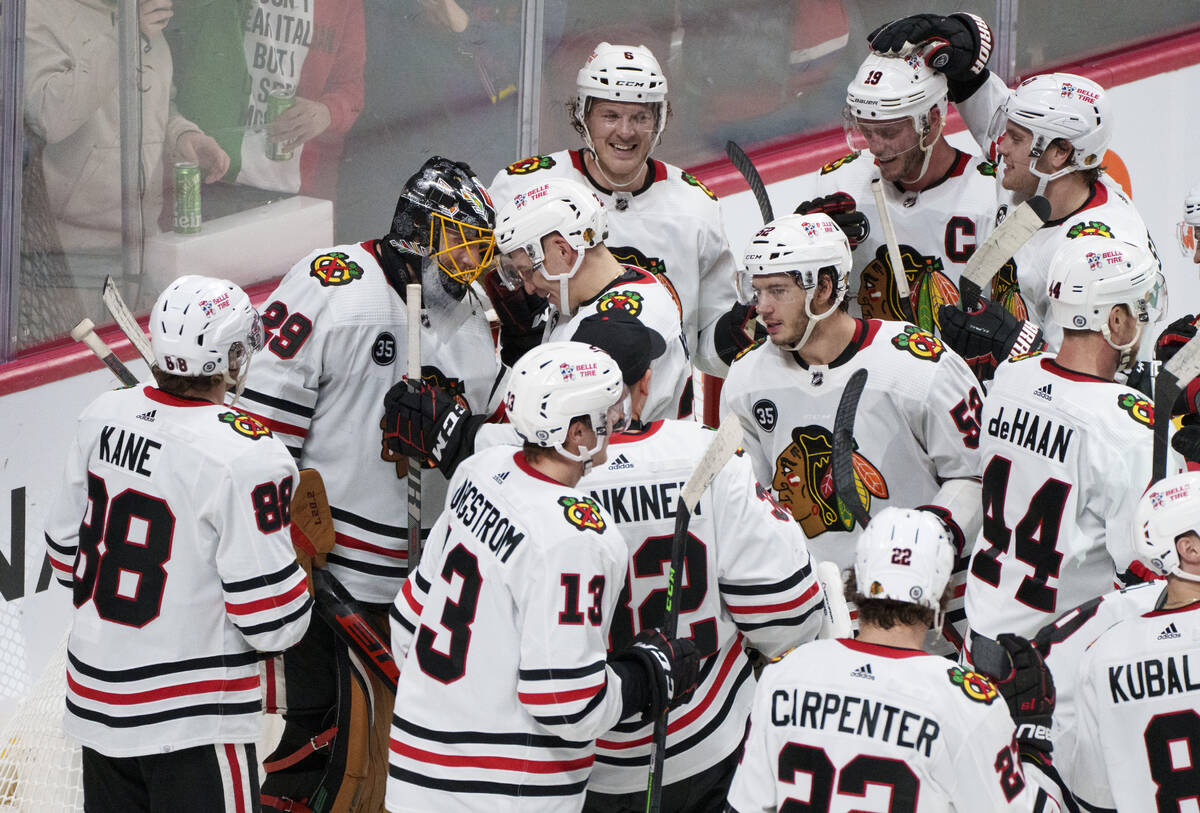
(336, 343)
(1050, 135)
(876, 716)
(1139, 731)
(661, 218)
(917, 432)
(172, 531)
(502, 629)
(942, 201)
(1191, 220)
(1057, 511)
(551, 238)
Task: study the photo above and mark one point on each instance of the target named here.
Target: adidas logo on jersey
(863, 671)
(1171, 631)
(147, 416)
(1044, 392)
(622, 462)
(501, 477)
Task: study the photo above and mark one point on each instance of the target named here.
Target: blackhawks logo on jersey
(1138, 407)
(628, 301)
(979, 688)
(628, 255)
(1089, 229)
(245, 425)
(919, 343)
(757, 343)
(929, 288)
(804, 482)
(583, 513)
(531, 164)
(335, 268)
(845, 159)
(692, 180)
(986, 168)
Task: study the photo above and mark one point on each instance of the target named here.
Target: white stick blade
(1185, 364)
(1021, 224)
(723, 445)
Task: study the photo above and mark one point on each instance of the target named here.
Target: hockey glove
(428, 424)
(960, 46)
(1026, 685)
(987, 335)
(842, 208)
(1187, 442)
(519, 315)
(1173, 337)
(737, 330)
(666, 677)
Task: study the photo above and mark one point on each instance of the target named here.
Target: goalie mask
(202, 326)
(1059, 106)
(800, 246)
(444, 213)
(905, 555)
(557, 382)
(888, 92)
(1168, 509)
(560, 205)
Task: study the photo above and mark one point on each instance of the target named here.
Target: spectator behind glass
(72, 101)
(231, 54)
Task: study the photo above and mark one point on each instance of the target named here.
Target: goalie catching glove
(428, 424)
(959, 46)
(842, 208)
(666, 678)
(988, 335)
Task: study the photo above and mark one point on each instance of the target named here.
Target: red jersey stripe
(269, 602)
(165, 693)
(546, 698)
(775, 608)
(493, 763)
(347, 541)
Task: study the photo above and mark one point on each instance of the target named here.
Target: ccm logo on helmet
(629, 83)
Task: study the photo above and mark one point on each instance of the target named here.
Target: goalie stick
(742, 163)
(893, 249)
(836, 621)
(334, 605)
(842, 456)
(124, 318)
(1020, 225)
(413, 301)
(719, 451)
(1174, 376)
(85, 332)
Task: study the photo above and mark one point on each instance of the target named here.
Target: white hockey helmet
(904, 555)
(557, 382)
(799, 246)
(1191, 207)
(1168, 509)
(557, 205)
(200, 324)
(1059, 105)
(621, 73)
(1090, 275)
(887, 88)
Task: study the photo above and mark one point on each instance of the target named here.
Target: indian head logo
(245, 425)
(929, 288)
(335, 268)
(531, 164)
(583, 513)
(628, 301)
(804, 482)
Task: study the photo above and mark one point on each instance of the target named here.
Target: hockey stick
(124, 318)
(85, 332)
(337, 608)
(742, 163)
(413, 300)
(893, 249)
(1176, 374)
(719, 451)
(836, 623)
(1020, 225)
(842, 457)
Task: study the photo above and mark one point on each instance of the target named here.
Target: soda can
(278, 101)
(187, 197)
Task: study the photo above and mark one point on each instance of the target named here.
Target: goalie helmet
(1168, 509)
(621, 73)
(199, 325)
(444, 208)
(557, 382)
(904, 555)
(1089, 275)
(1059, 105)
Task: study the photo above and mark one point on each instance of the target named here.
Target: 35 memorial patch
(583, 513)
(1138, 407)
(335, 268)
(692, 180)
(531, 164)
(628, 301)
(919, 343)
(245, 425)
(979, 688)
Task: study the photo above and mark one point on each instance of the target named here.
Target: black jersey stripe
(161, 669)
(383, 529)
(387, 571)
(284, 573)
(397, 617)
(270, 626)
(183, 712)
(765, 589)
(278, 403)
(567, 719)
(62, 550)
(478, 786)
(794, 621)
(485, 737)
(561, 674)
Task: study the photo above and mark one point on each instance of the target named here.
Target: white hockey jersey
(501, 634)
(641, 294)
(1139, 728)
(747, 581)
(172, 531)
(1062, 643)
(937, 230)
(1065, 457)
(337, 341)
(671, 227)
(844, 725)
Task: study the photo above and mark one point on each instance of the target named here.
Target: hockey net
(40, 767)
